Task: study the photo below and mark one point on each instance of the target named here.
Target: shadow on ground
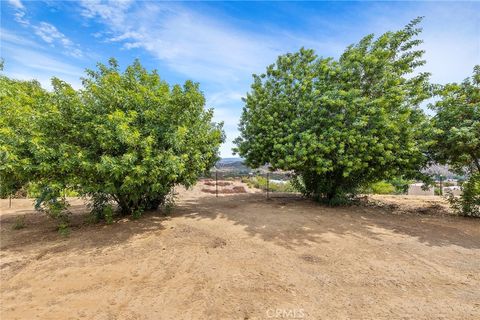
(286, 221)
(292, 221)
(83, 234)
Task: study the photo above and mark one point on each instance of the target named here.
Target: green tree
(340, 124)
(457, 125)
(457, 137)
(126, 137)
(20, 101)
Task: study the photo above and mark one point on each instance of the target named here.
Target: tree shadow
(294, 221)
(286, 221)
(83, 234)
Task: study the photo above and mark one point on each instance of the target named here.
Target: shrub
(260, 182)
(100, 207)
(391, 186)
(400, 184)
(468, 203)
(56, 207)
(19, 223)
(383, 187)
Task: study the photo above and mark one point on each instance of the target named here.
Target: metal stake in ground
(441, 185)
(216, 184)
(268, 184)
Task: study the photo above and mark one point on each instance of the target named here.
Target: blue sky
(220, 44)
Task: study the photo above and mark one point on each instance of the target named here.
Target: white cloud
(451, 34)
(190, 43)
(452, 42)
(17, 4)
(223, 55)
(111, 10)
(229, 115)
(50, 34)
(132, 45)
(26, 60)
(20, 18)
(227, 109)
(46, 31)
(15, 38)
(222, 97)
(20, 10)
(201, 47)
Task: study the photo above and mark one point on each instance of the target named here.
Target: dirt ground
(245, 257)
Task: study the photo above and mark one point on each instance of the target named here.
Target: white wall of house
(415, 189)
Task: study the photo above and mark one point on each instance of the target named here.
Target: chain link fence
(275, 184)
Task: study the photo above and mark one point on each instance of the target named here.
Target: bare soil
(245, 257)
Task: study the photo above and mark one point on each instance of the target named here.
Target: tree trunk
(123, 203)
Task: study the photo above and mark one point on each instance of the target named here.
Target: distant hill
(443, 170)
(236, 165)
(229, 160)
(232, 164)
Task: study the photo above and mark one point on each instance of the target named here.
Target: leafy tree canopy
(125, 136)
(457, 124)
(340, 124)
(20, 101)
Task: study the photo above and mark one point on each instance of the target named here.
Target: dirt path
(243, 257)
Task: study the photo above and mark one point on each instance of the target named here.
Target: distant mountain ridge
(237, 164)
(438, 169)
(229, 160)
(232, 164)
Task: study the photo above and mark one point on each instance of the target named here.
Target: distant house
(452, 181)
(454, 190)
(415, 189)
